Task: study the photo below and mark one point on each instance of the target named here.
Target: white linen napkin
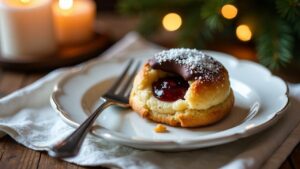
(26, 115)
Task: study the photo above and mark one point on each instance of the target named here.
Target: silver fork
(118, 95)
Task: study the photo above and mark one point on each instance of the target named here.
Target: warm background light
(172, 21)
(65, 4)
(229, 11)
(243, 33)
(74, 24)
(25, 1)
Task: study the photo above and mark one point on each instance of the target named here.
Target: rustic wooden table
(16, 156)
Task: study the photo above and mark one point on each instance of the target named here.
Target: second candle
(74, 21)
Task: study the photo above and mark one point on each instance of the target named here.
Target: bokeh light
(243, 33)
(172, 22)
(25, 1)
(65, 4)
(229, 11)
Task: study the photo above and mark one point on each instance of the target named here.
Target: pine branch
(276, 23)
(189, 30)
(275, 45)
(150, 23)
(289, 9)
(297, 28)
(195, 32)
(210, 13)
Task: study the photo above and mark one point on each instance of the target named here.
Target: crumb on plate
(160, 128)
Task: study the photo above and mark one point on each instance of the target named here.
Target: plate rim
(163, 144)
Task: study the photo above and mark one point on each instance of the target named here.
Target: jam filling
(170, 88)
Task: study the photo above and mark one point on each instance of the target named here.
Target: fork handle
(70, 146)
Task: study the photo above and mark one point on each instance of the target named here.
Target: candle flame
(25, 1)
(65, 4)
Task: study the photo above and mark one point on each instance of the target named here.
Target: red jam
(170, 88)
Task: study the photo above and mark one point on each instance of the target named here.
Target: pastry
(159, 128)
(182, 87)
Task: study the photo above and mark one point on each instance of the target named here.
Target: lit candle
(26, 29)
(74, 20)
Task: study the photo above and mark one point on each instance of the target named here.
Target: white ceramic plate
(260, 99)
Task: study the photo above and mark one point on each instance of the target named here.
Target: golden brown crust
(189, 118)
(203, 94)
(195, 118)
(136, 106)
(204, 103)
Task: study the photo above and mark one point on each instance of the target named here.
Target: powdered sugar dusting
(194, 61)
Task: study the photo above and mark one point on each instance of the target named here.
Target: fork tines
(122, 86)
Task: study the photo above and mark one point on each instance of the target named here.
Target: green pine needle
(210, 13)
(289, 9)
(276, 23)
(275, 45)
(297, 28)
(147, 28)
